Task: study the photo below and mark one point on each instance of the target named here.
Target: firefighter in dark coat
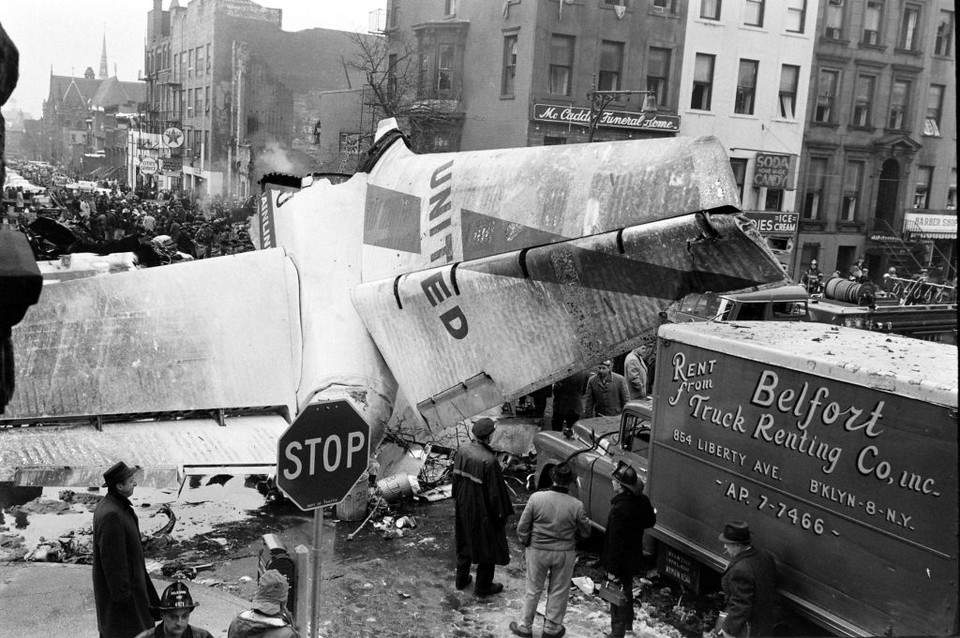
(630, 514)
(123, 591)
(749, 586)
(482, 507)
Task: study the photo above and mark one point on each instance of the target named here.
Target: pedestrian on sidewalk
(482, 505)
(268, 616)
(549, 528)
(122, 590)
(176, 605)
(630, 514)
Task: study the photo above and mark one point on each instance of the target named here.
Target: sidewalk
(49, 599)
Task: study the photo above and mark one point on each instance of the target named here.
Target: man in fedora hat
(630, 514)
(749, 586)
(268, 616)
(123, 591)
(481, 504)
(175, 606)
(550, 526)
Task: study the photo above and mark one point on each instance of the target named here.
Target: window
(796, 15)
(773, 200)
(190, 63)
(198, 104)
(944, 40)
(952, 191)
(509, 64)
(658, 72)
(746, 87)
(392, 77)
(816, 184)
(921, 196)
(393, 14)
(200, 65)
(666, 5)
(863, 100)
(852, 185)
(710, 9)
(176, 66)
(206, 99)
(931, 123)
(827, 84)
(702, 82)
(908, 28)
(611, 66)
(739, 167)
(753, 13)
(189, 101)
(208, 59)
(833, 24)
(445, 67)
(898, 105)
(871, 22)
(561, 62)
(789, 77)
(449, 7)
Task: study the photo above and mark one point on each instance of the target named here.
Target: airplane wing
(463, 338)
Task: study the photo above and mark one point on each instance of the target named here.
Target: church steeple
(103, 59)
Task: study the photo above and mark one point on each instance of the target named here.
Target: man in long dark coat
(630, 514)
(123, 591)
(749, 585)
(482, 507)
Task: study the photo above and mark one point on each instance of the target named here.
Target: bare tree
(396, 89)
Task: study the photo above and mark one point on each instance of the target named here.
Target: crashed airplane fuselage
(424, 290)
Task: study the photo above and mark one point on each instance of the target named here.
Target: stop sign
(322, 454)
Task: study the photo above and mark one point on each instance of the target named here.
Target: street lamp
(600, 100)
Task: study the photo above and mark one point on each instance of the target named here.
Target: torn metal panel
(529, 318)
(207, 334)
(167, 450)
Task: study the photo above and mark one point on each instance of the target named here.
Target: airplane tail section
(463, 338)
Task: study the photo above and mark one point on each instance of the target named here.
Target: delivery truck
(837, 446)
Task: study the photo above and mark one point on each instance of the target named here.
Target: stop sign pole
(319, 459)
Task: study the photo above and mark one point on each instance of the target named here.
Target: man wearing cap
(630, 514)
(176, 605)
(749, 586)
(268, 616)
(482, 505)
(550, 526)
(123, 591)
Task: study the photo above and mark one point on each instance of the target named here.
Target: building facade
(745, 80)
(84, 123)
(879, 166)
(231, 96)
(493, 75)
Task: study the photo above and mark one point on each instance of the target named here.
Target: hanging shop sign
(616, 119)
(774, 223)
(775, 171)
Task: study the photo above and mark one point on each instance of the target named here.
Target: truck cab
(594, 448)
(784, 303)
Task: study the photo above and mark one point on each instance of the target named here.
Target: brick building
(518, 73)
(879, 169)
(238, 95)
(84, 121)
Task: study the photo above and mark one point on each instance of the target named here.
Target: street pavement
(49, 599)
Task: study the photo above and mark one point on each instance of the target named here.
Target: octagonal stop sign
(322, 454)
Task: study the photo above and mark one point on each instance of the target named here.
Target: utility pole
(600, 100)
